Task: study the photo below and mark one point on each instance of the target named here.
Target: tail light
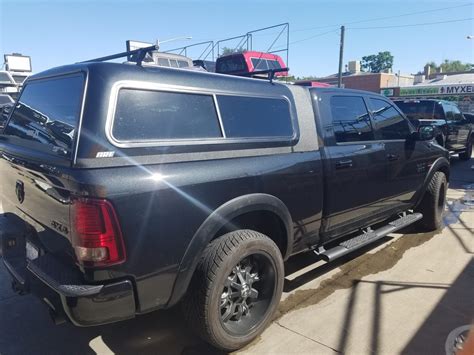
(96, 235)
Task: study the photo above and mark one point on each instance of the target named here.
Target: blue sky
(61, 32)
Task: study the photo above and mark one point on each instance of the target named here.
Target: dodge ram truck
(128, 189)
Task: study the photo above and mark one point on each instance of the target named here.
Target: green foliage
(376, 63)
(450, 66)
(227, 50)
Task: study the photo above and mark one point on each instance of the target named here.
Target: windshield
(422, 110)
(46, 115)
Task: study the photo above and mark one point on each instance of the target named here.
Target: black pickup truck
(128, 189)
(453, 129)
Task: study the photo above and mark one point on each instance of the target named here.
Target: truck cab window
(389, 123)
(350, 119)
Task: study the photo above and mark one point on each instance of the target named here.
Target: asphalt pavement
(402, 295)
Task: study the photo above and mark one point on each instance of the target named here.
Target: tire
(217, 307)
(433, 203)
(466, 155)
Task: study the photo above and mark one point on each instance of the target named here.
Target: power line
(384, 18)
(316, 35)
(412, 25)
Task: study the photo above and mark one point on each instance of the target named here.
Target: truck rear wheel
(466, 155)
(433, 203)
(235, 290)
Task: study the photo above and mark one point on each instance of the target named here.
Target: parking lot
(417, 286)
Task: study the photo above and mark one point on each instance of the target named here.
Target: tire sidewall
(439, 210)
(270, 250)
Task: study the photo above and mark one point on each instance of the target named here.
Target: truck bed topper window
(147, 114)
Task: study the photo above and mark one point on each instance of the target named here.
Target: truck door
(462, 127)
(453, 126)
(355, 164)
(405, 160)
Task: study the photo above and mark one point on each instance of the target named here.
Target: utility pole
(341, 54)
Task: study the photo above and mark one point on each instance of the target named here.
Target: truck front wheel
(235, 290)
(433, 203)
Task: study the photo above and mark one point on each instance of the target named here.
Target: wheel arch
(217, 222)
(440, 164)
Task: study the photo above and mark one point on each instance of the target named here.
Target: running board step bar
(368, 237)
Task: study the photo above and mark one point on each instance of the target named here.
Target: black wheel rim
(247, 294)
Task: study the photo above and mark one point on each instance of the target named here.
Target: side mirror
(426, 133)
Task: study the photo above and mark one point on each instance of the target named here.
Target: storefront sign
(456, 89)
(387, 92)
(413, 91)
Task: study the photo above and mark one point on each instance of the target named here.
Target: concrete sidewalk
(401, 295)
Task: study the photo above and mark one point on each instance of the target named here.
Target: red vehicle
(247, 62)
(312, 83)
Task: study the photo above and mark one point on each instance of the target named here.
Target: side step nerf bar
(368, 237)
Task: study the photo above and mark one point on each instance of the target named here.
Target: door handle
(343, 164)
(392, 157)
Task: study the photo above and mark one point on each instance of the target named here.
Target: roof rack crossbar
(270, 72)
(141, 53)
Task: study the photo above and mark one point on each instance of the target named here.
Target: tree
(449, 66)
(376, 63)
(227, 50)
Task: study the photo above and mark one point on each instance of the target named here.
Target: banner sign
(455, 89)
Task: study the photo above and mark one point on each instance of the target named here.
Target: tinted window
(155, 115)
(418, 109)
(259, 64)
(255, 117)
(46, 114)
(448, 111)
(350, 119)
(273, 64)
(388, 121)
(457, 114)
(235, 63)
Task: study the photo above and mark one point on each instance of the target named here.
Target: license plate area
(32, 252)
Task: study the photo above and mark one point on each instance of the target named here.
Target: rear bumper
(61, 286)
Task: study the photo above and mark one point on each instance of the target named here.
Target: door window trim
(371, 113)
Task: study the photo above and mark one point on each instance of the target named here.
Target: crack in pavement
(307, 337)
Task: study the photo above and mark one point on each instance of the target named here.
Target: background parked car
(209, 65)
(454, 130)
(248, 62)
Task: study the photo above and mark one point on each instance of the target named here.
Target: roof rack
(270, 72)
(140, 53)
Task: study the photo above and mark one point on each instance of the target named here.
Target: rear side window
(183, 64)
(143, 115)
(46, 114)
(164, 62)
(259, 64)
(251, 117)
(388, 121)
(350, 119)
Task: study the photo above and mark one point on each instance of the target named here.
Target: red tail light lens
(96, 235)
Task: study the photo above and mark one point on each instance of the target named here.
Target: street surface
(404, 294)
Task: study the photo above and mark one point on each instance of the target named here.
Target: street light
(158, 42)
